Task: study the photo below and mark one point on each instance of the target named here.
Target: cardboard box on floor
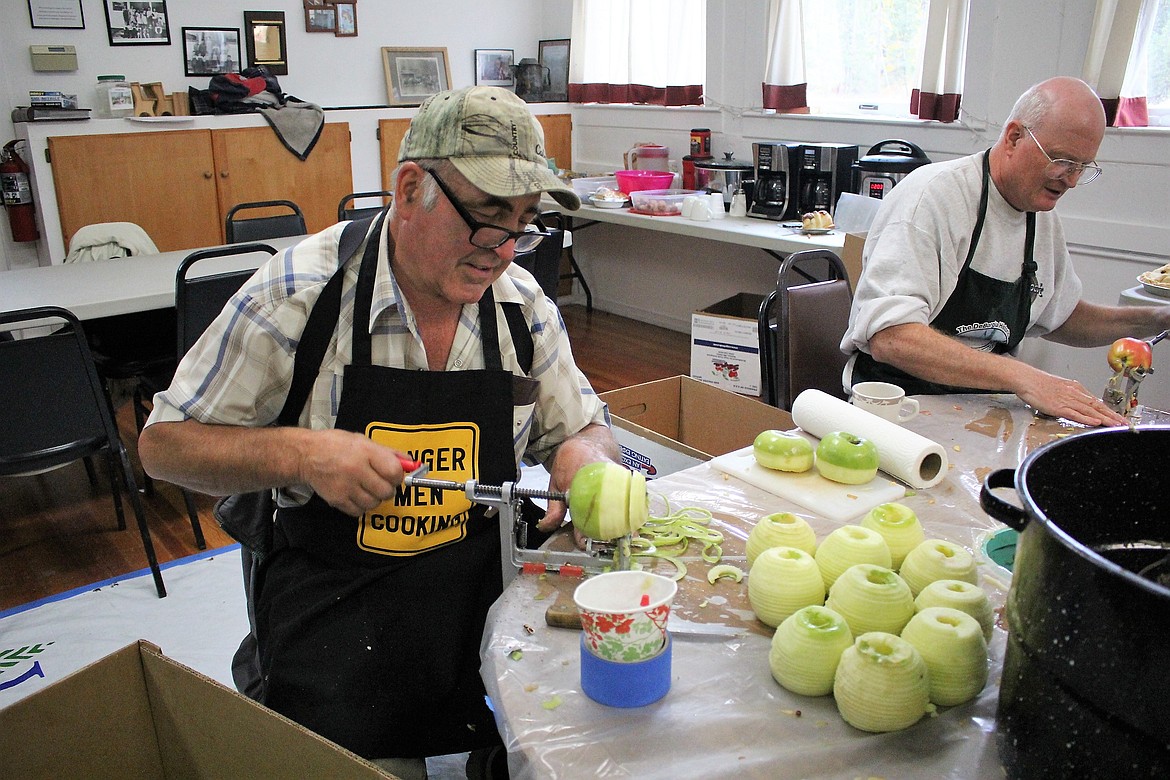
(725, 344)
(672, 424)
(138, 714)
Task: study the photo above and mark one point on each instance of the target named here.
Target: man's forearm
(220, 459)
(1093, 325)
(927, 354)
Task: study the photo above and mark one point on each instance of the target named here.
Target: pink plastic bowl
(634, 181)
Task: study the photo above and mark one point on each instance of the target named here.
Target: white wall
(323, 69)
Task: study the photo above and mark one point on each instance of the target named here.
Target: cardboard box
(725, 344)
(138, 714)
(851, 256)
(672, 424)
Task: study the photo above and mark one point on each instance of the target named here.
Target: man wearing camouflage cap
(371, 602)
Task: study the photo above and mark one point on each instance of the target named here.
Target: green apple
(846, 458)
(607, 501)
(783, 451)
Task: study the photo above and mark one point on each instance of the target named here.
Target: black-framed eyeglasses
(487, 236)
(1059, 168)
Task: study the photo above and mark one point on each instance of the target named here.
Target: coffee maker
(825, 171)
(774, 193)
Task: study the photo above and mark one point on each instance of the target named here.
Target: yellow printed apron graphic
(419, 519)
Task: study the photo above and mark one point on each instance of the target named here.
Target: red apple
(1130, 353)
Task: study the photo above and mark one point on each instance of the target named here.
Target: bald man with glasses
(966, 257)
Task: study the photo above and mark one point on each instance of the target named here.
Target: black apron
(369, 627)
(979, 307)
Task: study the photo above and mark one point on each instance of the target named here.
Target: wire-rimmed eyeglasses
(487, 236)
(1060, 168)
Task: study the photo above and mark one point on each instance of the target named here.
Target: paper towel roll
(914, 459)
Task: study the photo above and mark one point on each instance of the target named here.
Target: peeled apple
(849, 545)
(846, 458)
(899, 526)
(962, 596)
(872, 598)
(607, 501)
(938, 559)
(783, 451)
(806, 649)
(882, 683)
(952, 645)
(781, 581)
(782, 529)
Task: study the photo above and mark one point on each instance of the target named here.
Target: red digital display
(877, 189)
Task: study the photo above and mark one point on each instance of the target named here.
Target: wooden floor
(57, 532)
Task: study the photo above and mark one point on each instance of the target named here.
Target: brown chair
(801, 324)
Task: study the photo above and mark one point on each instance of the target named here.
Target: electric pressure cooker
(884, 165)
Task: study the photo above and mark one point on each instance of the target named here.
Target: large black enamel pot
(1086, 675)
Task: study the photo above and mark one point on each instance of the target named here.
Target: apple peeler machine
(506, 499)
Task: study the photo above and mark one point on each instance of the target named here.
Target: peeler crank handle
(1159, 337)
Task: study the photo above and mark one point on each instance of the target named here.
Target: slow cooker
(884, 165)
(725, 176)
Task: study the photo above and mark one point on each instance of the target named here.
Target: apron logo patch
(419, 519)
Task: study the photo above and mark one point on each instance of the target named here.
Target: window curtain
(785, 86)
(940, 89)
(1115, 65)
(638, 51)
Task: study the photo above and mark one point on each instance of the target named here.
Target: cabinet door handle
(207, 174)
(223, 174)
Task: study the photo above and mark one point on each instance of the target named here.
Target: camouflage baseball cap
(491, 137)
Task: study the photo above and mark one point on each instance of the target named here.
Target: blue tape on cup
(625, 685)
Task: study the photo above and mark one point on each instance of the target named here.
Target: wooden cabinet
(179, 185)
(558, 142)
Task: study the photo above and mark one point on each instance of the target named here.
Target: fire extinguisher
(18, 200)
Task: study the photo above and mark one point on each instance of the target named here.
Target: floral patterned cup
(624, 614)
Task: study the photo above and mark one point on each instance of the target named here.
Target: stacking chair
(801, 324)
(240, 229)
(198, 301)
(544, 262)
(347, 208)
(56, 410)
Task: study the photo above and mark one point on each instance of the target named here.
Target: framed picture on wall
(137, 22)
(346, 20)
(554, 55)
(211, 50)
(493, 67)
(264, 41)
(56, 14)
(414, 73)
(320, 17)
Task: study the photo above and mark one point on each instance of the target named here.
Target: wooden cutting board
(831, 500)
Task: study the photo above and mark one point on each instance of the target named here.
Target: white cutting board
(828, 499)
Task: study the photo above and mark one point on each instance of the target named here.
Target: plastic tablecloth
(724, 714)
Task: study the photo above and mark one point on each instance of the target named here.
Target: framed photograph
(56, 14)
(137, 22)
(320, 17)
(211, 50)
(414, 73)
(554, 55)
(264, 41)
(493, 67)
(346, 20)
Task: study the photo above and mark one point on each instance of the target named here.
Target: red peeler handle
(408, 465)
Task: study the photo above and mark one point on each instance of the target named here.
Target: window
(1158, 64)
(863, 57)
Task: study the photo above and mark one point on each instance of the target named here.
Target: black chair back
(801, 323)
(244, 229)
(346, 211)
(56, 409)
(200, 299)
(544, 262)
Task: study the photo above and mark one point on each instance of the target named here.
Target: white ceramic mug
(885, 400)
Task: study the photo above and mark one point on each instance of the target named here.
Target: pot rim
(1035, 513)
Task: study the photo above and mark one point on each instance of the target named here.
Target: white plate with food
(816, 231)
(608, 203)
(1157, 281)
